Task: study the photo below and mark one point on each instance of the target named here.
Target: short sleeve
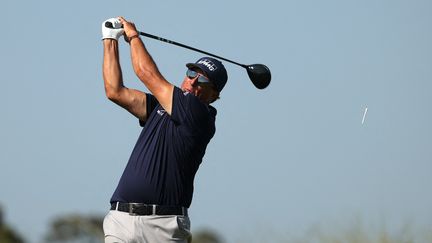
(189, 111)
(151, 103)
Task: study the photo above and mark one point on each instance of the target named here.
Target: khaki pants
(120, 227)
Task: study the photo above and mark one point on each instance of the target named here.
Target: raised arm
(145, 68)
(132, 100)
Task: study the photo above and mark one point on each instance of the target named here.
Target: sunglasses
(201, 78)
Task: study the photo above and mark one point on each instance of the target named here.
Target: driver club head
(259, 74)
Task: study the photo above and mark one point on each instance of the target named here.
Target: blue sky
(283, 159)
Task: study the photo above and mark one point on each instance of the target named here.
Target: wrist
(130, 38)
(132, 33)
(109, 39)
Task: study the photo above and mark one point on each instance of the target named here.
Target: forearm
(112, 74)
(144, 66)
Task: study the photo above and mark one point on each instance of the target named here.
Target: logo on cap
(209, 64)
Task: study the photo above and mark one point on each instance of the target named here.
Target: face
(198, 84)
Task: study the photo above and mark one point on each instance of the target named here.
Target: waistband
(141, 209)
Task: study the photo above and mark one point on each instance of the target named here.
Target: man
(155, 191)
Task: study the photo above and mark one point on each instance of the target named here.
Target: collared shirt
(169, 150)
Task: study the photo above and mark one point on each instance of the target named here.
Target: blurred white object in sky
(364, 115)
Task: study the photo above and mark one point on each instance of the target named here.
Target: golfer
(155, 191)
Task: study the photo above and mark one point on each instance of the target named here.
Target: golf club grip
(110, 25)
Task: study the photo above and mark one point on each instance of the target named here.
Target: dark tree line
(76, 228)
(7, 234)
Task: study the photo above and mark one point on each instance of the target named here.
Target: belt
(141, 209)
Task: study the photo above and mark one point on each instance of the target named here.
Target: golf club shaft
(109, 25)
(259, 74)
(188, 47)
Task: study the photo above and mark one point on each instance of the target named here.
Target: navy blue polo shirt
(169, 150)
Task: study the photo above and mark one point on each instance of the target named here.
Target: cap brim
(194, 65)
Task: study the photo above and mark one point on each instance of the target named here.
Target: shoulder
(189, 110)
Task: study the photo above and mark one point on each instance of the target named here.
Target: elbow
(111, 94)
(145, 74)
(149, 78)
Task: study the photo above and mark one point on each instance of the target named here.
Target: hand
(112, 33)
(129, 28)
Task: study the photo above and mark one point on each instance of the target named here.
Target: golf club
(259, 74)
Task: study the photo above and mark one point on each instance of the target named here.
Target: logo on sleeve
(161, 112)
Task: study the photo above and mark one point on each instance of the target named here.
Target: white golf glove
(112, 33)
